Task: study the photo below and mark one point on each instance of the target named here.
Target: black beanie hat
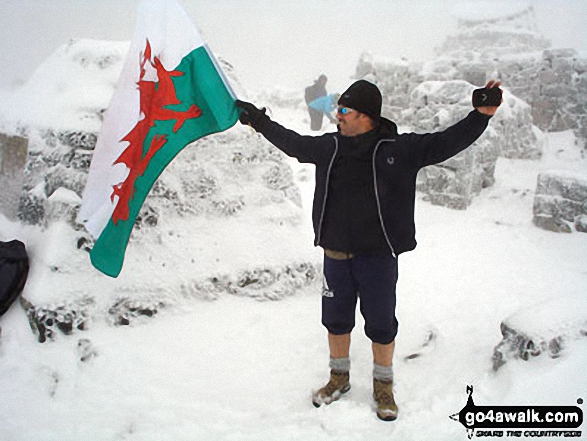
(363, 97)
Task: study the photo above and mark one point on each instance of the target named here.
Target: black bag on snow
(14, 269)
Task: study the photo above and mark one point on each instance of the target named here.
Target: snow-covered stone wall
(435, 106)
(560, 202)
(554, 83)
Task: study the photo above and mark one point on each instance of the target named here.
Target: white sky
(270, 42)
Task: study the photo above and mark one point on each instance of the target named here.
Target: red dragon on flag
(154, 97)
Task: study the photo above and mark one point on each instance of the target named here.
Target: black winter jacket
(396, 162)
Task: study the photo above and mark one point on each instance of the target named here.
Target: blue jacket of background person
(325, 104)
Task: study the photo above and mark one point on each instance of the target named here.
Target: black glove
(250, 115)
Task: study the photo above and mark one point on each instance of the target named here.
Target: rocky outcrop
(453, 183)
(554, 84)
(560, 202)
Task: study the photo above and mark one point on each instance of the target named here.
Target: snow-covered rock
(560, 201)
(13, 157)
(544, 328)
(63, 205)
(435, 106)
(554, 83)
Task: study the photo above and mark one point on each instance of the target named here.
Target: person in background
(363, 218)
(326, 104)
(316, 90)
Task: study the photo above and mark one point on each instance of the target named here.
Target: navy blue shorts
(372, 279)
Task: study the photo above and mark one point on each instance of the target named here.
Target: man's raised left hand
(490, 110)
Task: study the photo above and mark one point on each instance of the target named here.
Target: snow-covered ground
(239, 369)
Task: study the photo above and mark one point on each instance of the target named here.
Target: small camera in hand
(487, 97)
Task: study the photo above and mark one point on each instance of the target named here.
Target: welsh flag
(170, 93)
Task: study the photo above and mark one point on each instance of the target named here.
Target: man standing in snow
(363, 218)
(316, 90)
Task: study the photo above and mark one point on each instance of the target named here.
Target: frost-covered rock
(560, 201)
(554, 83)
(541, 329)
(63, 205)
(435, 106)
(395, 78)
(33, 205)
(581, 223)
(13, 158)
(47, 321)
(226, 174)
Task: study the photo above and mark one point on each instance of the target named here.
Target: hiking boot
(383, 394)
(338, 385)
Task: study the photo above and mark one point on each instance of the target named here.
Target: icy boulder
(436, 105)
(13, 157)
(554, 83)
(544, 328)
(560, 201)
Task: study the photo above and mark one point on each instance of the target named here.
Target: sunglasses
(345, 110)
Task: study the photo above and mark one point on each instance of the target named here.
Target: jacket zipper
(377, 197)
(319, 235)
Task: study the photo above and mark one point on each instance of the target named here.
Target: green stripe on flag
(201, 85)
